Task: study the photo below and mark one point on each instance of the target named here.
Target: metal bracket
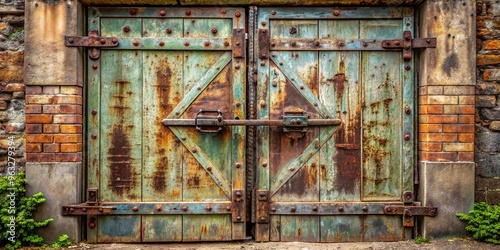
(262, 212)
(216, 120)
(294, 124)
(238, 212)
(410, 211)
(264, 43)
(93, 42)
(90, 207)
(238, 43)
(408, 43)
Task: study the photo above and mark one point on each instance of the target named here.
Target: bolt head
(133, 11)
(135, 209)
(223, 11)
(169, 30)
(161, 43)
(209, 168)
(237, 165)
(237, 14)
(336, 13)
(407, 137)
(187, 12)
(273, 209)
(341, 209)
(226, 43)
(94, 66)
(294, 43)
(126, 29)
(315, 208)
(184, 208)
(94, 112)
(93, 136)
(208, 208)
(273, 12)
(186, 44)
(135, 43)
(114, 41)
(163, 12)
(214, 30)
(71, 40)
(293, 209)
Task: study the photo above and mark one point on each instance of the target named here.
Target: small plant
(483, 222)
(17, 226)
(63, 241)
(420, 240)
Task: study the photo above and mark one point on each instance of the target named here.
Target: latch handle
(218, 121)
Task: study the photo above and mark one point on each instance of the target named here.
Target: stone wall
(12, 103)
(487, 143)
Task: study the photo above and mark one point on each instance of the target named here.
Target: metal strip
(239, 43)
(329, 208)
(170, 12)
(346, 44)
(264, 43)
(334, 13)
(200, 85)
(184, 44)
(150, 208)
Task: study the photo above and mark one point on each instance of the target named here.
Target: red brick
(33, 109)
(51, 109)
(438, 137)
(458, 147)
(39, 99)
(33, 90)
(466, 137)
(33, 147)
(40, 157)
(51, 148)
(71, 90)
(430, 109)
(73, 147)
(69, 157)
(458, 128)
(67, 119)
(438, 156)
(466, 118)
(68, 138)
(51, 128)
(442, 99)
(71, 109)
(492, 44)
(438, 119)
(465, 156)
(430, 128)
(67, 99)
(51, 90)
(71, 129)
(34, 128)
(43, 138)
(430, 146)
(431, 90)
(459, 109)
(31, 118)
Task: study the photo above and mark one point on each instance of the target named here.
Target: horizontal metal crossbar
(346, 44)
(272, 123)
(329, 208)
(139, 208)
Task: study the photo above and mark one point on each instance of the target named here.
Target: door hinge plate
(238, 211)
(90, 207)
(408, 43)
(264, 43)
(238, 43)
(93, 42)
(262, 213)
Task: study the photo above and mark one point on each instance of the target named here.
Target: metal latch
(90, 207)
(206, 123)
(408, 43)
(410, 209)
(93, 42)
(295, 122)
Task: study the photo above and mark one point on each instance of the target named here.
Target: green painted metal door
(167, 183)
(332, 183)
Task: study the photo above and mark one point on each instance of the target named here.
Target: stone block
(491, 114)
(488, 142)
(493, 197)
(487, 183)
(488, 164)
(450, 187)
(483, 60)
(491, 74)
(488, 89)
(48, 178)
(486, 101)
(495, 126)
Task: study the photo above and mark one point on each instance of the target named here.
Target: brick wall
(487, 144)
(54, 124)
(12, 118)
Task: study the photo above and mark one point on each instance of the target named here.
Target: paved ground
(453, 244)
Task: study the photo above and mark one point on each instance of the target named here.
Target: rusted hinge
(93, 42)
(238, 43)
(90, 207)
(263, 43)
(238, 212)
(262, 213)
(408, 43)
(410, 209)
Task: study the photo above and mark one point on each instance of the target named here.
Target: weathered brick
(71, 129)
(486, 101)
(51, 109)
(11, 58)
(482, 60)
(438, 137)
(458, 128)
(431, 90)
(459, 90)
(70, 148)
(71, 109)
(466, 137)
(430, 146)
(39, 99)
(33, 109)
(67, 99)
(51, 148)
(51, 128)
(3, 105)
(466, 99)
(459, 109)
(69, 157)
(491, 74)
(33, 148)
(5, 96)
(51, 90)
(465, 156)
(38, 118)
(40, 138)
(34, 128)
(66, 138)
(438, 119)
(430, 128)
(438, 156)
(430, 109)
(488, 142)
(15, 87)
(40, 157)
(495, 126)
(34, 90)
(442, 99)
(71, 90)
(67, 119)
(466, 119)
(458, 147)
(488, 89)
(12, 74)
(492, 44)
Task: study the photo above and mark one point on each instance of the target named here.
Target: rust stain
(122, 172)
(159, 182)
(193, 181)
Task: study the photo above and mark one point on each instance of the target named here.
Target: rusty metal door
(159, 183)
(334, 184)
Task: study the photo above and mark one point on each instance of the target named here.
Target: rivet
(264, 164)
(317, 43)
(262, 218)
(91, 225)
(223, 11)
(163, 13)
(208, 168)
(341, 44)
(281, 63)
(198, 88)
(238, 217)
(273, 55)
(183, 138)
(135, 43)
(407, 67)
(94, 112)
(186, 44)
(94, 136)
(407, 110)
(238, 104)
(161, 43)
(237, 14)
(126, 29)
(273, 44)
(228, 208)
(177, 113)
(226, 43)
(292, 169)
(114, 40)
(273, 12)
(407, 137)
(315, 105)
(71, 40)
(365, 44)
(169, 31)
(184, 208)
(187, 12)
(301, 87)
(133, 11)
(135, 209)
(275, 84)
(84, 209)
(238, 194)
(263, 104)
(365, 208)
(195, 150)
(293, 209)
(273, 209)
(100, 209)
(71, 209)
(208, 208)
(262, 63)
(323, 166)
(336, 13)
(237, 165)
(294, 43)
(397, 43)
(315, 208)
(159, 208)
(388, 43)
(214, 30)
(263, 23)
(341, 209)
(428, 40)
(94, 67)
(389, 209)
